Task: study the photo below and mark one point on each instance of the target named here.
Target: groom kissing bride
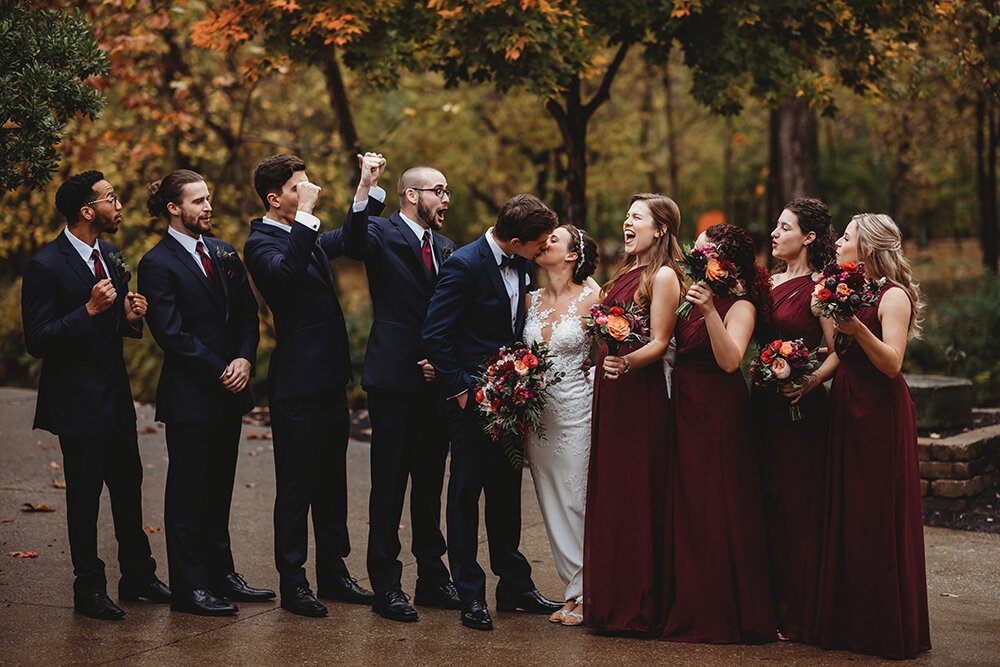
(477, 308)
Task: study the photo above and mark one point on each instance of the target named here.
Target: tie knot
(96, 256)
(200, 247)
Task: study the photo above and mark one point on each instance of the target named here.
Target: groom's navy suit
(84, 397)
(307, 377)
(202, 325)
(409, 434)
(468, 320)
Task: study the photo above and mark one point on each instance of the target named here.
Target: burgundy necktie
(205, 262)
(98, 267)
(426, 251)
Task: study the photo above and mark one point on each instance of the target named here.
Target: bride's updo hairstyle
(667, 216)
(880, 247)
(736, 245)
(168, 190)
(588, 257)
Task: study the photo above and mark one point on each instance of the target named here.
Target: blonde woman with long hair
(873, 586)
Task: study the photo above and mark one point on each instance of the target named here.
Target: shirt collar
(274, 223)
(190, 244)
(85, 250)
(417, 229)
(495, 247)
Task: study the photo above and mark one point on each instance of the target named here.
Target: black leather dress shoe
(393, 604)
(234, 587)
(154, 591)
(202, 603)
(444, 596)
(475, 615)
(97, 605)
(530, 601)
(301, 601)
(346, 589)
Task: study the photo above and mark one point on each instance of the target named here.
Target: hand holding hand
(236, 376)
(308, 194)
(427, 370)
(701, 295)
(135, 306)
(614, 367)
(101, 297)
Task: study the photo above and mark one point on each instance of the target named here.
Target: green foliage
(46, 57)
(960, 338)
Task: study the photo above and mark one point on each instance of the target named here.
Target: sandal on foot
(558, 616)
(572, 618)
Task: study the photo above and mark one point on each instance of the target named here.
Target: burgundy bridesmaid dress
(626, 520)
(792, 456)
(721, 591)
(873, 586)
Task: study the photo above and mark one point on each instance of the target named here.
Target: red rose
(531, 360)
(775, 345)
(480, 396)
(850, 266)
(767, 356)
(824, 294)
(617, 310)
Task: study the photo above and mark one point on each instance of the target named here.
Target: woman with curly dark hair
(719, 579)
(792, 454)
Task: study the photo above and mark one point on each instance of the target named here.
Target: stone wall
(955, 469)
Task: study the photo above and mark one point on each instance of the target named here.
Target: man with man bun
(204, 316)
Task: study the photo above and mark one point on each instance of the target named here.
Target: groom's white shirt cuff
(307, 219)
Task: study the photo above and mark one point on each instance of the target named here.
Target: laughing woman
(626, 519)
(720, 585)
(792, 454)
(873, 592)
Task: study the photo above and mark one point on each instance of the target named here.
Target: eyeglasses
(439, 192)
(113, 199)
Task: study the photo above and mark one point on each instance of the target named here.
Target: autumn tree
(47, 57)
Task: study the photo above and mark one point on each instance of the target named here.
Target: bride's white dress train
(558, 462)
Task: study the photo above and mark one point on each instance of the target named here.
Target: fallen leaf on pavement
(5, 520)
(950, 595)
(149, 429)
(23, 554)
(253, 453)
(152, 529)
(54, 466)
(59, 485)
(41, 507)
(250, 485)
(259, 436)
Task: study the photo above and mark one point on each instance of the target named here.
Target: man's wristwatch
(627, 365)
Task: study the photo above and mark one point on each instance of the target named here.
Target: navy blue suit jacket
(400, 289)
(468, 319)
(84, 387)
(293, 274)
(200, 327)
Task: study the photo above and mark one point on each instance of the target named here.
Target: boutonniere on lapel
(222, 254)
(121, 265)
(446, 251)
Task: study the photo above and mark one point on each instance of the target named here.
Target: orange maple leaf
(23, 554)
(41, 507)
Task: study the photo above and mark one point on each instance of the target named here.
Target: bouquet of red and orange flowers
(841, 291)
(511, 392)
(617, 324)
(784, 362)
(706, 264)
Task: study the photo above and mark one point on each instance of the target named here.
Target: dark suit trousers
(199, 494)
(310, 469)
(409, 440)
(90, 462)
(479, 465)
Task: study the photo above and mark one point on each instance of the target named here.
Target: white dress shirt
(301, 217)
(508, 274)
(191, 245)
(419, 232)
(87, 252)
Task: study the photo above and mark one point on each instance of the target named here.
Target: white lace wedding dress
(559, 461)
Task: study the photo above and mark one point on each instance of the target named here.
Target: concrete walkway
(38, 626)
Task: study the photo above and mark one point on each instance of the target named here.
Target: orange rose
(531, 360)
(713, 269)
(618, 327)
(785, 349)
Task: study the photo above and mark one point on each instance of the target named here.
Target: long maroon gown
(873, 586)
(792, 456)
(720, 586)
(626, 521)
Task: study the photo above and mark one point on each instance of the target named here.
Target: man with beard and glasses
(76, 306)
(204, 316)
(403, 255)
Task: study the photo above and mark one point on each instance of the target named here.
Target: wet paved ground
(37, 623)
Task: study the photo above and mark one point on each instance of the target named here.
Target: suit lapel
(493, 270)
(220, 269)
(522, 290)
(76, 262)
(115, 281)
(411, 240)
(183, 257)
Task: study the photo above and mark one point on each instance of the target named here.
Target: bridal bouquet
(841, 291)
(618, 324)
(784, 362)
(705, 263)
(511, 392)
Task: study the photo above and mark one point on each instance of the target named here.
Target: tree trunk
(900, 173)
(672, 163)
(986, 183)
(798, 150)
(350, 144)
